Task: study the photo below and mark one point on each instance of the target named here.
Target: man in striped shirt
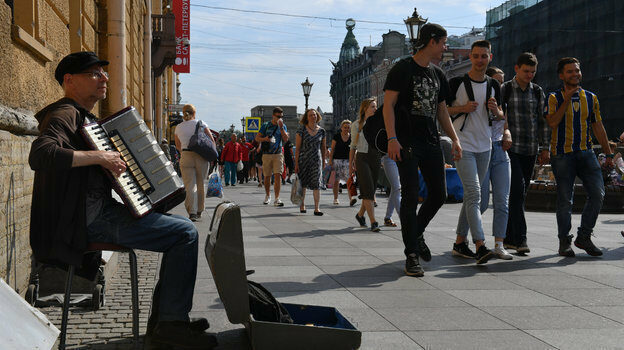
(571, 112)
(523, 101)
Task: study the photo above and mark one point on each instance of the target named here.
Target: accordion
(150, 182)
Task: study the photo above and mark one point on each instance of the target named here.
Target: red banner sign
(181, 10)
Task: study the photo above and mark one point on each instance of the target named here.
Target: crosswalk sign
(252, 124)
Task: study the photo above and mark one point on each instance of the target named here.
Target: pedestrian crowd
(497, 130)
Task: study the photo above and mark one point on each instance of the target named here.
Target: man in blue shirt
(271, 136)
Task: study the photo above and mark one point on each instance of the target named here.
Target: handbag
(351, 186)
(296, 192)
(201, 144)
(240, 166)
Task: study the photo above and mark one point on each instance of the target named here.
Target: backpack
(263, 305)
(468, 86)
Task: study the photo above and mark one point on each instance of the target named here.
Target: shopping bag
(296, 192)
(351, 186)
(326, 173)
(214, 188)
(240, 166)
(332, 179)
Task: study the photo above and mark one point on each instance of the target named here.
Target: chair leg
(134, 282)
(66, 299)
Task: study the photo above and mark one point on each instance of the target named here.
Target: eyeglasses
(96, 74)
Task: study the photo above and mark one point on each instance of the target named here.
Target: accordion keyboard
(150, 179)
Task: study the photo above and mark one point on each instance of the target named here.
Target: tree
(226, 134)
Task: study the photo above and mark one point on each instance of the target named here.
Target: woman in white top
(193, 167)
(366, 161)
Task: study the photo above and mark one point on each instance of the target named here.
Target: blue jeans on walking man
(566, 167)
(230, 173)
(471, 169)
(499, 175)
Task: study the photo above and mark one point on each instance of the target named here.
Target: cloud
(240, 60)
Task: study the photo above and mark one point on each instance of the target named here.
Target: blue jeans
(428, 157)
(471, 169)
(566, 167)
(392, 173)
(173, 235)
(230, 173)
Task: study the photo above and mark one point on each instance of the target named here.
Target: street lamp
(307, 86)
(413, 25)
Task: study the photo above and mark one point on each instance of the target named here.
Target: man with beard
(571, 112)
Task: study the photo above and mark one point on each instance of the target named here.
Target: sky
(243, 59)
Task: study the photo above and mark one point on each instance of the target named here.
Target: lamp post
(413, 25)
(307, 86)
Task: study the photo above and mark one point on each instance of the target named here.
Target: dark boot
(181, 334)
(565, 248)
(423, 250)
(584, 242)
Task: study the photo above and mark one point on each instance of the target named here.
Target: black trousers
(521, 173)
(428, 157)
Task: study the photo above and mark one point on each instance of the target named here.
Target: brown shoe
(389, 222)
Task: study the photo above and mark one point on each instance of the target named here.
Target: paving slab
(478, 340)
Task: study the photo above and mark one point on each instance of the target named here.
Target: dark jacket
(58, 232)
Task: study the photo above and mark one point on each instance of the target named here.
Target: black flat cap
(75, 63)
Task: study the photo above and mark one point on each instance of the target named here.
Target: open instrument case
(314, 327)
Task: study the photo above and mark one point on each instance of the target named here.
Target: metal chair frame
(134, 281)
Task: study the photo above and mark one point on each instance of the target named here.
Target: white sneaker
(336, 202)
(501, 253)
(267, 199)
(278, 202)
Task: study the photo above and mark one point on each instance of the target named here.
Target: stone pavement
(538, 301)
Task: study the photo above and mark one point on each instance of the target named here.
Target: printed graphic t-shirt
(420, 89)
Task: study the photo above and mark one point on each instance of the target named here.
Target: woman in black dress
(310, 156)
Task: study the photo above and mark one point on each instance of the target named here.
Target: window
(25, 29)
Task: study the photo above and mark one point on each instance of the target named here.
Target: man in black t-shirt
(415, 94)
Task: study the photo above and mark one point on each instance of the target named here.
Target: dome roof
(350, 47)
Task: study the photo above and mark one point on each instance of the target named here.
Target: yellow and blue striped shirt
(572, 133)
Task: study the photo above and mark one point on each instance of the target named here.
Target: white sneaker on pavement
(278, 202)
(336, 202)
(501, 253)
(267, 199)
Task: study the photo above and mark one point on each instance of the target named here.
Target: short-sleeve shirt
(476, 135)
(420, 89)
(186, 129)
(271, 130)
(341, 150)
(572, 133)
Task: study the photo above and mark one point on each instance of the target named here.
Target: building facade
(351, 75)
(588, 30)
(34, 36)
